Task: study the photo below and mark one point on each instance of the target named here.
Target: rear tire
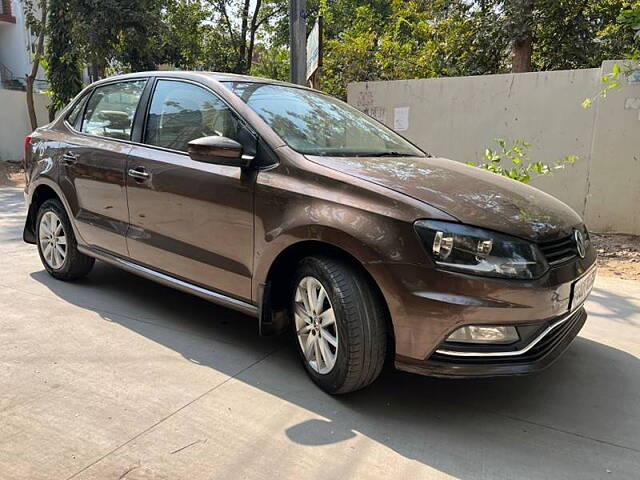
(358, 331)
(57, 244)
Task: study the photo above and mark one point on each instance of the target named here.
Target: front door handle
(69, 158)
(138, 173)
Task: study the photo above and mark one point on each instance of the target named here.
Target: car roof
(198, 75)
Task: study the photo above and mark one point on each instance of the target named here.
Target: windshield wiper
(388, 154)
(339, 153)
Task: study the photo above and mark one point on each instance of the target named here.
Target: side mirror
(219, 151)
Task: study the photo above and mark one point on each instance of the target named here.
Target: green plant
(609, 81)
(630, 18)
(514, 161)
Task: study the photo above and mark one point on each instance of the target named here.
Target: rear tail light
(27, 146)
(26, 158)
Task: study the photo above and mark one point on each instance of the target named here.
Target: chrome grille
(559, 251)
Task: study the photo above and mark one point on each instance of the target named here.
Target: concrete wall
(14, 121)
(459, 118)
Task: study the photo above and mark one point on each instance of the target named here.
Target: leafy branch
(610, 81)
(514, 161)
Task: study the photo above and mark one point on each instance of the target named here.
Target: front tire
(57, 244)
(339, 323)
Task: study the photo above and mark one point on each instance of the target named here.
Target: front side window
(317, 124)
(181, 112)
(111, 109)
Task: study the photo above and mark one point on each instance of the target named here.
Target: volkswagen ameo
(291, 206)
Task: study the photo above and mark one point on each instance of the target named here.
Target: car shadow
(446, 424)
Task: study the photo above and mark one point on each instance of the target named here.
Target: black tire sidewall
(332, 381)
(57, 208)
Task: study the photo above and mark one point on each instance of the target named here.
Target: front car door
(189, 219)
(93, 163)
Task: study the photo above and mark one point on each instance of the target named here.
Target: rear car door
(92, 176)
(190, 219)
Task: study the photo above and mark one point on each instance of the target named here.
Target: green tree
(61, 55)
(185, 34)
(117, 31)
(629, 22)
(363, 40)
(519, 21)
(396, 39)
(578, 34)
(410, 39)
(271, 62)
(242, 21)
(118, 34)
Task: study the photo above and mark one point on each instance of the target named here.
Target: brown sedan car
(291, 206)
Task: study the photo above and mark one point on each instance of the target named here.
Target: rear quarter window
(74, 114)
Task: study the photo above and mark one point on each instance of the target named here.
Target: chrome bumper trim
(513, 353)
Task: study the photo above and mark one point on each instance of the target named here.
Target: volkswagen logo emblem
(579, 243)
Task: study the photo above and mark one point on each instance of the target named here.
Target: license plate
(582, 289)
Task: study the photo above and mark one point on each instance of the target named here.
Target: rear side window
(111, 109)
(181, 112)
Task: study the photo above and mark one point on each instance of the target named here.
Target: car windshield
(317, 124)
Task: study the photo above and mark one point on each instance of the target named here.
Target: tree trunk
(240, 68)
(522, 51)
(252, 35)
(223, 9)
(33, 118)
(521, 12)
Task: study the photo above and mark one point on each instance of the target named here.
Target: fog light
(477, 334)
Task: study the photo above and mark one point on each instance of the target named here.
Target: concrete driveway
(116, 377)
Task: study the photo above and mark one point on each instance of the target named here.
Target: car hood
(470, 194)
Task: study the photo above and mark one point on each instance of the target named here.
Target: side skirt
(168, 280)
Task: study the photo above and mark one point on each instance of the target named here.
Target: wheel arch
(274, 291)
(44, 190)
(41, 194)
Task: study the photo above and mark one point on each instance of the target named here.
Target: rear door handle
(138, 173)
(69, 158)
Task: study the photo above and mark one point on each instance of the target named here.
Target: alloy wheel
(53, 240)
(315, 324)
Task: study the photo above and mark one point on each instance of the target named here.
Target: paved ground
(116, 377)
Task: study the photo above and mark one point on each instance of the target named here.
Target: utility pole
(298, 41)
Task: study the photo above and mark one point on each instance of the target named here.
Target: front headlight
(473, 250)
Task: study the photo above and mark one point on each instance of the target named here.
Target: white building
(16, 46)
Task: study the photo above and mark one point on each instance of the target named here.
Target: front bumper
(544, 349)
(427, 304)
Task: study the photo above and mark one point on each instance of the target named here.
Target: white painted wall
(14, 121)
(459, 117)
(15, 42)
